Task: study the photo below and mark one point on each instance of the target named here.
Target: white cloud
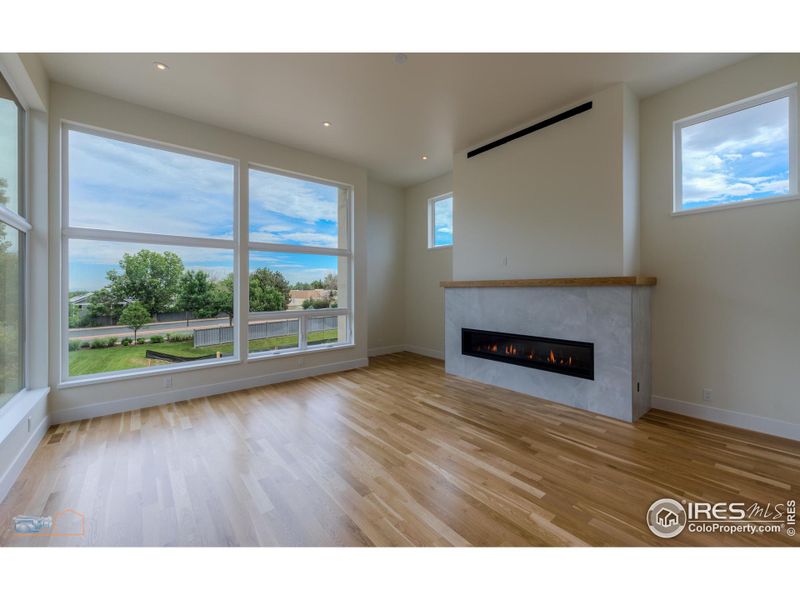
(718, 155)
(293, 198)
(123, 186)
(304, 238)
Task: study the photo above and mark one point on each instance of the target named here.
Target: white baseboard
(15, 468)
(430, 352)
(102, 409)
(742, 420)
(381, 350)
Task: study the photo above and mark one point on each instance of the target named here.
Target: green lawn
(100, 360)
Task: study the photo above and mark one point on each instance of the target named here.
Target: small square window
(440, 221)
(738, 154)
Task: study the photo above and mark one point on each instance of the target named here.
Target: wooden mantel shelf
(637, 280)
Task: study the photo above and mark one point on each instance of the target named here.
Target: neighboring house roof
(82, 299)
(306, 294)
(85, 299)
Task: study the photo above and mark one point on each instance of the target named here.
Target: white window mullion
(267, 247)
(302, 328)
(108, 235)
(9, 217)
(294, 314)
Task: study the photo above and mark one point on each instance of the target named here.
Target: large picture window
(13, 229)
(300, 263)
(151, 248)
(149, 242)
(738, 154)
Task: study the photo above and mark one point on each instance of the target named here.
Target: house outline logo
(666, 518)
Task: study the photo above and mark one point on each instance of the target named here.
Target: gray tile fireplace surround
(616, 318)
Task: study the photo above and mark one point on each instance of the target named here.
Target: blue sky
(443, 222)
(285, 210)
(741, 156)
(122, 186)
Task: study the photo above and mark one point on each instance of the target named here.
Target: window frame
(345, 251)
(788, 91)
(19, 221)
(107, 235)
(240, 244)
(432, 221)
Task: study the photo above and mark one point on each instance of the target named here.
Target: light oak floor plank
(396, 454)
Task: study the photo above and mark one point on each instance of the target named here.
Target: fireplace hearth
(567, 357)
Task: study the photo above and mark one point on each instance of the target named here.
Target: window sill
(442, 247)
(298, 352)
(147, 372)
(758, 202)
(17, 408)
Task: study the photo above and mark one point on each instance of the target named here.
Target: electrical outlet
(167, 382)
(505, 261)
(29, 424)
(706, 395)
(299, 362)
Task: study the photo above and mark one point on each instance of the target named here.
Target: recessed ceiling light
(424, 157)
(160, 66)
(326, 123)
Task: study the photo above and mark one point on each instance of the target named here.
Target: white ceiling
(385, 115)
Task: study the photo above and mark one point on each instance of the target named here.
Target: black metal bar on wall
(535, 127)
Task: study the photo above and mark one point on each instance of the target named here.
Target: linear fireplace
(549, 354)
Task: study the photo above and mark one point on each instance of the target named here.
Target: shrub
(316, 303)
(85, 344)
(74, 345)
(112, 341)
(156, 339)
(126, 341)
(179, 337)
(99, 343)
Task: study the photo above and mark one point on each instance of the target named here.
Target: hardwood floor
(395, 454)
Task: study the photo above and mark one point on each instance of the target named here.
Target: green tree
(317, 303)
(4, 245)
(10, 372)
(265, 298)
(104, 303)
(196, 295)
(264, 283)
(151, 278)
(75, 319)
(134, 316)
(331, 282)
(222, 297)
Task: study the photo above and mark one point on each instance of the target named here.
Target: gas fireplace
(549, 354)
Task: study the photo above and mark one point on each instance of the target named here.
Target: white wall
(425, 269)
(386, 267)
(69, 403)
(725, 310)
(551, 204)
